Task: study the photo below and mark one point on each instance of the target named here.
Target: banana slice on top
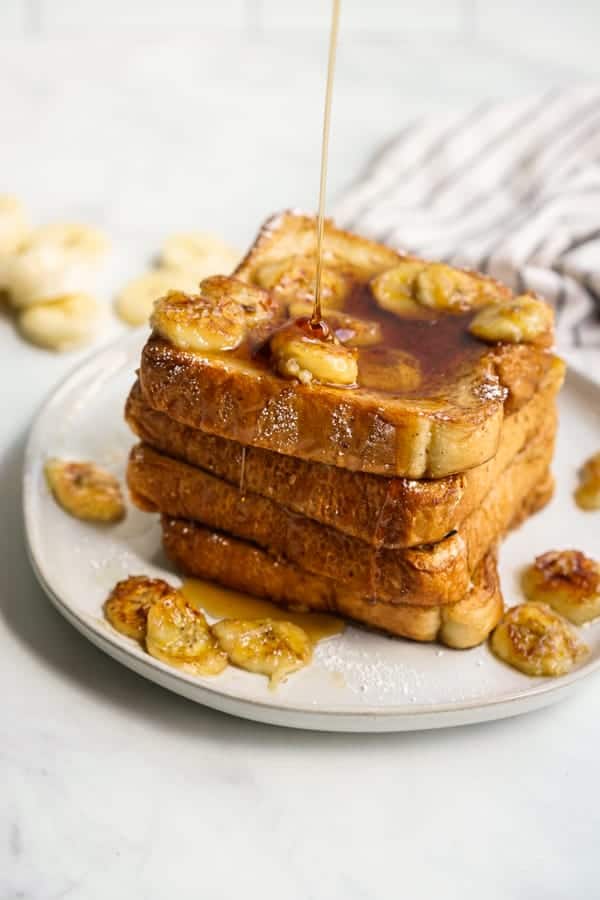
(63, 323)
(415, 285)
(537, 641)
(216, 318)
(265, 646)
(195, 250)
(128, 604)
(14, 225)
(179, 635)
(568, 581)
(85, 490)
(296, 354)
(522, 319)
(135, 302)
(587, 495)
(294, 278)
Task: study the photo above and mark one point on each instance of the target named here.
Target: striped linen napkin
(511, 189)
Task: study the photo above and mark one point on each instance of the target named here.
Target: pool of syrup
(221, 603)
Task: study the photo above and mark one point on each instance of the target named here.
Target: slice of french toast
(240, 565)
(390, 512)
(429, 575)
(411, 374)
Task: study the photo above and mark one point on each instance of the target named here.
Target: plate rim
(332, 718)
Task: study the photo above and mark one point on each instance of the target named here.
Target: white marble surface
(110, 787)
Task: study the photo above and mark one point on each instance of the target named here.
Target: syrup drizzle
(243, 474)
(335, 19)
(378, 544)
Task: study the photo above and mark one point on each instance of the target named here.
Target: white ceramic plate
(358, 681)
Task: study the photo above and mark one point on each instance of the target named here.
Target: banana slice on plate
(522, 319)
(190, 250)
(128, 604)
(135, 302)
(265, 646)
(14, 225)
(587, 495)
(179, 635)
(61, 323)
(85, 490)
(537, 641)
(568, 581)
(296, 354)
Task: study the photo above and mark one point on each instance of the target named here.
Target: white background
(148, 116)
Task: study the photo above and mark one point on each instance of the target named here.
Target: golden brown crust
(242, 566)
(393, 512)
(429, 575)
(450, 424)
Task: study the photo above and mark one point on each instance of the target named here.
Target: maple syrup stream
(316, 317)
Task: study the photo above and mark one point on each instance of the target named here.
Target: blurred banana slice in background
(85, 241)
(63, 323)
(197, 251)
(135, 303)
(54, 260)
(14, 224)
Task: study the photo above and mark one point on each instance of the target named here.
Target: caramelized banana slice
(128, 604)
(297, 355)
(85, 490)
(294, 278)
(587, 495)
(566, 580)
(265, 646)
(537, 641)
(135, 302)
(442, 287)
(14, 226)
(192, 250)
(197, 323)
(388, 369)
(414, 285)
(61, 324)
(349, 330)
(257, 305)
(179, 635)
(394, 290)
(523, 319)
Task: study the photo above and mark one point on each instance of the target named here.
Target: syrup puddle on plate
(222, 603)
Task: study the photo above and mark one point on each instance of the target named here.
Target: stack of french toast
(366, 464)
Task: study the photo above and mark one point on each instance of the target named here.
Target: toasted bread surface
(428, 575)
(242, 566)
(392, 512)
(437, 414)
